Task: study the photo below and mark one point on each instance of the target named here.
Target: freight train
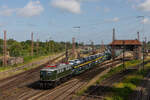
(56, 74)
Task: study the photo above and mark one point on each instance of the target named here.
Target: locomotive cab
(47, 75)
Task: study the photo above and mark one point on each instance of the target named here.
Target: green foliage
(113, 71)
(16, 49)
(23, 49)
(133, 79)
(122, 90)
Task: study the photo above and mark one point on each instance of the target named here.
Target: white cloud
(136, 1)
(89, 0)
(116, 19)
(73, 6)
(145, 21)
(106, 10)
(33, 8)
(145, 6)
(2, 24)
(5, 11)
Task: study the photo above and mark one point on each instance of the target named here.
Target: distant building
(128, 45)
(12, 60)
(15, 60)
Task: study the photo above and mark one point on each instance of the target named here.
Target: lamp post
(76, 27)
(143, 49)
(143, 17)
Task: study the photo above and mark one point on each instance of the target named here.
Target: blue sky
(55, 19)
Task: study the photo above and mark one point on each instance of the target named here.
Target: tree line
(23, 48)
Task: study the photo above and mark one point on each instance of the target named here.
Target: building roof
(126, 42)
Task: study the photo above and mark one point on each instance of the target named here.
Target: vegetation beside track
(11, 71)
(27, 60)
(122, 90)
(23, 49)
(113, 71)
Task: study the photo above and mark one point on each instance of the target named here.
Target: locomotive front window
(42, 72)
(49, 73)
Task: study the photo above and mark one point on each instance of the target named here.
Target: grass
(27, 60)
(16, 72)
(2, 76)
(122, 90)
(118, 69)
(113, 71)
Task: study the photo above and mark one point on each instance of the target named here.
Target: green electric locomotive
(53, 75)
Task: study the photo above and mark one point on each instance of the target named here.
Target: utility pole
(114, 34)
(123, 55)
(73, 46)
(37, 47)
(103, 47)
(5, 50)
(66, 46)
(113, 48)
(143, 53)
(49, 45)
(145, 46)
(32, 45)
(138, 36)
(92, 46)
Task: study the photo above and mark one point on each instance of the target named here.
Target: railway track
(98, 92)
(24, 86)
(143, 90)
(13, 87)
(66, 92)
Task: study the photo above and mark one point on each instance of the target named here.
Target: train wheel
(55, 84)
(44, 85)
(41, 85)
(59, 82)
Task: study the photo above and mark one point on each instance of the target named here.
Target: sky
(85, 20)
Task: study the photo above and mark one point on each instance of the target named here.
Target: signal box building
(128, 45)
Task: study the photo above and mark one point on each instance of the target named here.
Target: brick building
(133, 46)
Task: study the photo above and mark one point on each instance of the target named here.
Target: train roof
(56, 67)
(48, 69)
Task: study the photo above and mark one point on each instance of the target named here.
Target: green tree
(16, 49)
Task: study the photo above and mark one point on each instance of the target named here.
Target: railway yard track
(67, 92)
(11, 88)
(98, 92)
(25, 86)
